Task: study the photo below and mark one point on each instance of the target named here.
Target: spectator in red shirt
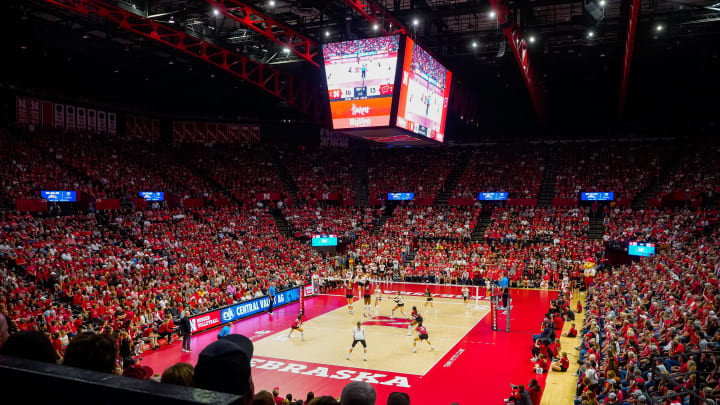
(561, 365)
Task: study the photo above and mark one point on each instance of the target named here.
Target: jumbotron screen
(360, 80)
(424, 93)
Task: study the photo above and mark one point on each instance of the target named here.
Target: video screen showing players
(424, 93)
(360, 78)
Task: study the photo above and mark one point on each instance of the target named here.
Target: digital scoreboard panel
(152, 195)
(424, 93)
(641, 249)
(597, 196)
(492, 196)
(324, 240)
(59, 196)
(401, 196)
(360, 78)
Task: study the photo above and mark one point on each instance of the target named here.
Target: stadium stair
(547, 187)
(360, 173)
(652, 190)
(478, 232)
(183, 156)
(290, 187)
(282, 224)
(452, 180)
(597, 229)
(387, 213)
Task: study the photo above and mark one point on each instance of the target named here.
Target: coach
(186, 331)
(271, 294)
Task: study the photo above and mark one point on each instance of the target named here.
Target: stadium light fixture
(271, 3)
(172, 20)
(416, 22)
(216, 11)
(286, 50)
(492, 14)
(659, 28)
(327, 33)
(591, 34)
(602, 3)
(531, 39)
(376, 27)
(474, 44)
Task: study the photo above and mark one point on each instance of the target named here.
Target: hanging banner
(101, 122)
(70, 117)
(91, 120)
(81, 118)
(21, 110)
(111, 123)
(47, 114)
(59, 115)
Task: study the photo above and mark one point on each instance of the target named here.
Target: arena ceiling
(576, 47)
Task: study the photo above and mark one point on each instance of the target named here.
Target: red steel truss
(520, 49)
(629, 45)
(296, 92)
(376, 14)
(299, 44)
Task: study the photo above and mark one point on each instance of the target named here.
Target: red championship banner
(21, 110)
(35, 112)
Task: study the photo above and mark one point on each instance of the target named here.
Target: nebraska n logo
(401, 323)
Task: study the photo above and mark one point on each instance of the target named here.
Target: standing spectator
(3, 329)
(186, 330)
(535, 392)
(276, 396)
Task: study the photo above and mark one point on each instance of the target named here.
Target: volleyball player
(416, 319)
(349, 295)
(297, 326)
(465, 295)
(399, 304)
(367, 297)
(422, 335)
(358, 337)
(429, 299)
(378, 298)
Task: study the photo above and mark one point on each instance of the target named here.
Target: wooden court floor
(328, 336)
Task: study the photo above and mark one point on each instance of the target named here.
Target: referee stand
(496, 309)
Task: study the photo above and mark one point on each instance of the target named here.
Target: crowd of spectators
(349, 223)
(518, 173)
(533, 224)
(432, 222)
(422, 61)
(623, 169)
(319, 171)
(421, 171)
(663, 226)
(698, 172)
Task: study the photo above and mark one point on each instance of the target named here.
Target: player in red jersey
(416, 319)
(367, 297)
(349, 296)
(297, 326)
(422, 335)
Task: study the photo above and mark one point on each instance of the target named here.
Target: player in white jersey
(358, 337)
(378, 298)
(399, 304)
(466, 295)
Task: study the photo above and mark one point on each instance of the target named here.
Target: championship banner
(47, 114)
(111, 124)
(21, 110)
(81, 118)
(59, 114)
(91, 120)
(35, 112)
(70, 117)
(101, 122)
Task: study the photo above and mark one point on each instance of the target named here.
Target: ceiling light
(531, 39)
(491, 14)
(286, 50)
(659, 27)
(23, 47)
(376, 27)
(591, 34)
(212, 75)
(172, 20)
(602, 3)
(271, 3)
(216, 11)
(416, 21)
(86, 36)
(116, 71)
(474, 44)
(327, 33)
(171, 62)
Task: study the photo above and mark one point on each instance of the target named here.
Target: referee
(505, 286)
(271, 294)
(358, 337)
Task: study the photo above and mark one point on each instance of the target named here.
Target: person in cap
(358, 393)
(224, 366)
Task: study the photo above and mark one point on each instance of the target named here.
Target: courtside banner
(242, 310)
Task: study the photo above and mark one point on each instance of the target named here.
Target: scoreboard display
(360, 78)
(424, 93)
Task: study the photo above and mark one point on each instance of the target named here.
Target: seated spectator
(30, 345)
(263, 398)
(92, 351)
(398, 398)
(358, 393)
(3, 329)
(224, 366)
(179, 374)
(324, 400)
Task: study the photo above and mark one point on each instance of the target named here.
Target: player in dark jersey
(429, 299)
(349, 296)
(297, 326)
(399, 304)
(416, 319)
(422, 335)
(367, 297)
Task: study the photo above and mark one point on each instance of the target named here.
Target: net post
(507, 312)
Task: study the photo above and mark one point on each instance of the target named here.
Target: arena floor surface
(471, 364)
